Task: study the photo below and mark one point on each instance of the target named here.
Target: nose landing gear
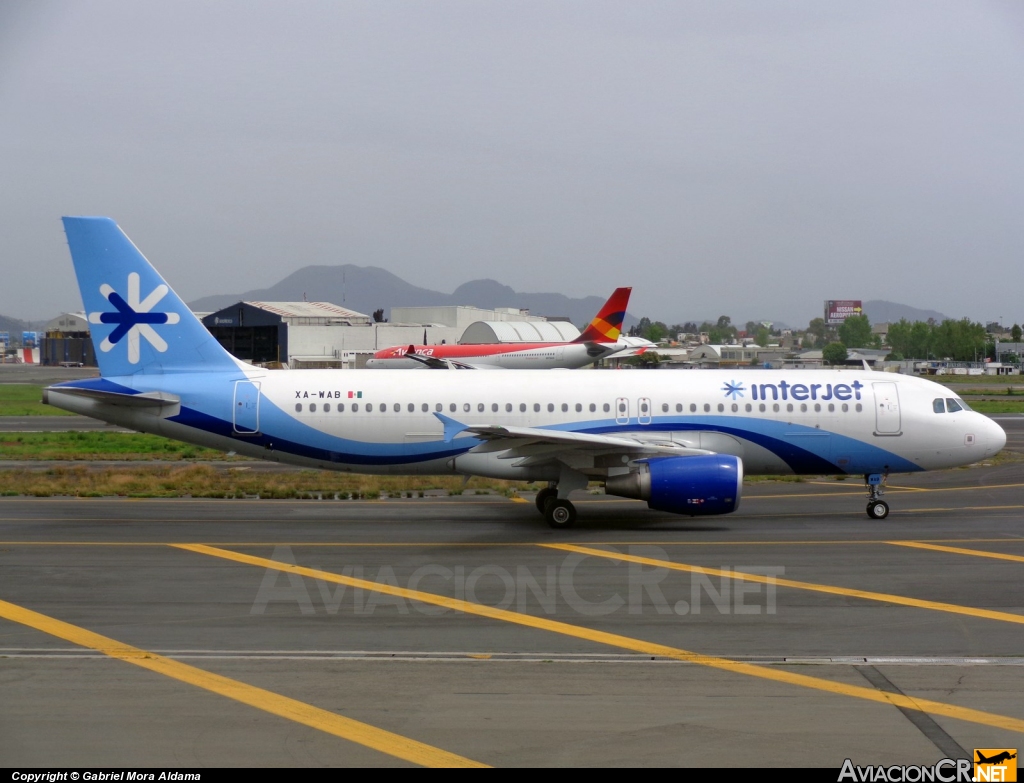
(877, 508)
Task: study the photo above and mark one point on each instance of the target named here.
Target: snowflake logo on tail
(134, 318)
(733, 389)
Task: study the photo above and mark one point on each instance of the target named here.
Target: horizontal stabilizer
(154, 399)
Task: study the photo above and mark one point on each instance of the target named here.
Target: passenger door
(643, 410)
(887, 409)
(247, 408)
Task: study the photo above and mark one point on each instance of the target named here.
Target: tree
(648, 360)
(834, 353)
(819, 331)
(855, 332)
(378, 316)
(1015, 333)
(762, 336)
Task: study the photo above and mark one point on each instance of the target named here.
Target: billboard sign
(838, 310)
(30, 339)
(5, 339)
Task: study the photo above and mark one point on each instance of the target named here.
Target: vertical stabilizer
(138, 324)
(607, 324)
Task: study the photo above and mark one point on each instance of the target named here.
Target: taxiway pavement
(441, 630)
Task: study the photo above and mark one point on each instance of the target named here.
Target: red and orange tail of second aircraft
(607, 324)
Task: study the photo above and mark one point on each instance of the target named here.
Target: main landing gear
(558, 513)
(877, 508)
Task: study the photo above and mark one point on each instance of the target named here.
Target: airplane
(601, 339)
(996, 759)
(682, 441)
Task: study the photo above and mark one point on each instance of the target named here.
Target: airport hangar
(316, 335)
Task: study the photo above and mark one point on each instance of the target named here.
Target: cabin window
(466, 407)
(845, 407)
(593, 408)
(312, 407)
(565, 407)
(369, 407)
(803, 407)
(938, 405)
(508, 407)
(298, 407)
(749, 407)
(761, 407)
(664, 407)
(789, 407)
(952, 405)
(622, 407)
(437, 407)
(859, 407)
(735, 407)
(412, 407)
(536, 407)
(341, 407)
(707, 408)
(551, 407)
(643, 407)
(831, 408)
(398, 407)
(679, 407)
(480, 407)
(383, 407)
(494, 407)
(453, 407)
(579, 408)
(607, 407)
(721, 407)
(817, 407)
(355, 407)
(693, 407)
(327, 407)
(522, 407)
(775, 407)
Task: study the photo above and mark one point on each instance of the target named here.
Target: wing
(534, 445)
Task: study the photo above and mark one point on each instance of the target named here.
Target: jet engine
(699, 486)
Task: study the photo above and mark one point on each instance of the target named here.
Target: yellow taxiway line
(958, 550)
(282, 706)
(626, 642)
(867, 595)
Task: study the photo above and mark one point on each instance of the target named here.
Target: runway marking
(867, 595)
(628, 643)
(958, 550)
(355, 731)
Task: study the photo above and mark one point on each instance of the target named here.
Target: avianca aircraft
(599, 340)
(679, 440)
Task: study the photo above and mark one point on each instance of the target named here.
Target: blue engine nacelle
(698, 486)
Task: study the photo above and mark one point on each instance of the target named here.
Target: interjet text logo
(133, 318)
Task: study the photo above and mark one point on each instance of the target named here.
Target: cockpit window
(938, 405)
(953, 405)
(964, 405)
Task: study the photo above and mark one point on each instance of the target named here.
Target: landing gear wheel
(560, 514)
(878, 509)
(543, 495)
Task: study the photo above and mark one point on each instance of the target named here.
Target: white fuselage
(777, 422)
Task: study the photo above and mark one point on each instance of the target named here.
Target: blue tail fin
(139, 325)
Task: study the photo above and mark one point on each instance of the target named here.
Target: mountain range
(367, 288)
(879, 311)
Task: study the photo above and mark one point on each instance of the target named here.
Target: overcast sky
(751, 158)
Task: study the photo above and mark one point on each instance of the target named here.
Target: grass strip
(26, 399)
(98, 445)
(207, 481)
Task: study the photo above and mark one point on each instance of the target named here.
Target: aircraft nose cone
(995, 437)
